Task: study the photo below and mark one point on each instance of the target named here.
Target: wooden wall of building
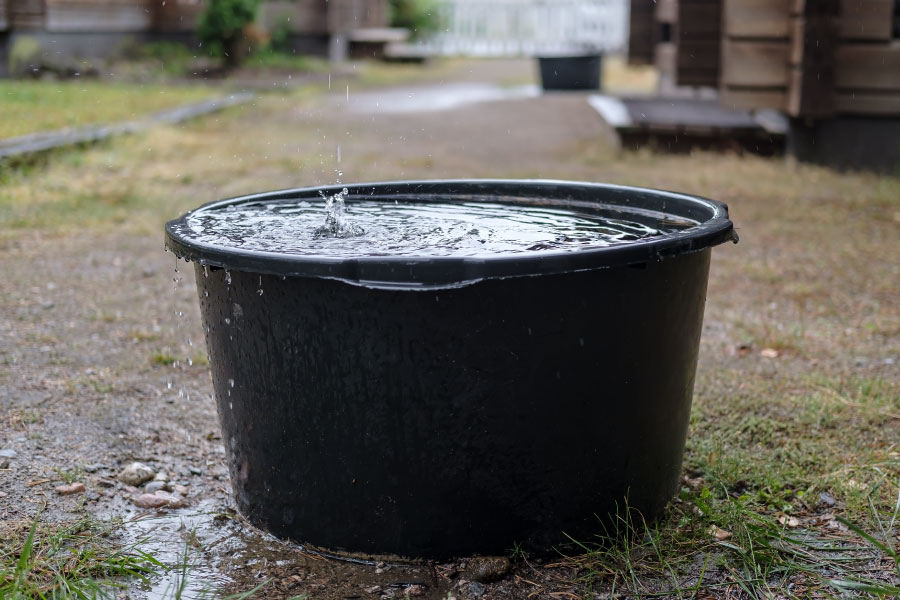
(806, 58)
(122, 16)
(303, 16)
(813, 58)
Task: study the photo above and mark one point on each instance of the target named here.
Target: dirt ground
(102, 359)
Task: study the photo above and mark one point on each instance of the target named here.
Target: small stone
(154, 486)
(158, 499)
(161, 476)
(485, 569)
(107, 483)
(93, 496)
(72, 488)
(4, 464)
(416, 590)
(476, 589)
(181, 489)
(379, 571)
(7, 453)
(769, 353)
(92, 468)
(195, 471)
(827, 499)
(375, 589)
(136, 473)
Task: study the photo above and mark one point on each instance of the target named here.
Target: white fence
(528, 27)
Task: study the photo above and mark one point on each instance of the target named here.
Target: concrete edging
(34, 143)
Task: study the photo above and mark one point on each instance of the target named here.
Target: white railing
(528, 27)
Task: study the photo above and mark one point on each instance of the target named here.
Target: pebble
(92, 468)
(476, 589)
(827, 499)
(195, 471)
(92, 496)
(161, 476)
(155, 486)
(485, 569)
(136, 473)
(181, 489)
(415, 590)
(7, 453)
(4, 464)
(158, 499)
(107, 483)
(374, 589)
(72, 488)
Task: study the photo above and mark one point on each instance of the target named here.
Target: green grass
(711, 543)
(267, 59)
(32, 106)
(78, 561)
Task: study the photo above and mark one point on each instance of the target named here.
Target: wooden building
(832, 66)
(88, 28)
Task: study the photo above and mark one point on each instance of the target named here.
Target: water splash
(336, 223)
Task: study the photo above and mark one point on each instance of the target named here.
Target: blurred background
(819, 80)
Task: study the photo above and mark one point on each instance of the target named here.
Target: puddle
(212, 552)
(194, 543)
(437, 98)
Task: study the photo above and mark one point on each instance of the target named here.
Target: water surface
(331, 228)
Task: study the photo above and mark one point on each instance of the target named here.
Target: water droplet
(231, 383)
(227, 321)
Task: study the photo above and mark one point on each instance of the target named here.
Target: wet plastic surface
(571, 72)
(430, 272)
(461, 420)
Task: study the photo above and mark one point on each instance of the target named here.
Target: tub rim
(431, 272)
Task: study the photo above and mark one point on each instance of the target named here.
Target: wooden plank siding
(25, 14)
(755, 47)
(814, 38)
(807, 58)
(872, 67)
(174, 16)
(866, 20)
(93, 16)
(755, 64)
(642, 32)
(303, 16)
(699, 42)
(757, 18)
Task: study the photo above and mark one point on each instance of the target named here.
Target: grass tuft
(76, 561)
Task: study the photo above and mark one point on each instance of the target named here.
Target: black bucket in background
(434, 408)
(571, 72)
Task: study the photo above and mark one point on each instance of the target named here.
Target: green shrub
(24, 56)
(280, 36)
(221, 27)
(421, 17)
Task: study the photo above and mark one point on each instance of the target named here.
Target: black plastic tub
(581, 72)
(430, 407)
